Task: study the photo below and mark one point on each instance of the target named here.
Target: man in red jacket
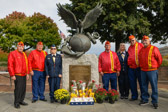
(109, 67)
(36, 65)
(150, 60)
(18, 70)
(134, 71)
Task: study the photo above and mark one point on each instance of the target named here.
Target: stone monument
(84, 68)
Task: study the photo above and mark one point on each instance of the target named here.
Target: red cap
(145, 37)
(40, 43)
(107, 42)
(21, 43)
(131, 37)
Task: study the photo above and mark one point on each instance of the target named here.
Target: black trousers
(123, 83)
(20, 89)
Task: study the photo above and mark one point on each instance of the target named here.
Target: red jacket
(36, 60)
(133, 52)
(150, 58)
(17, 63)
(109, 62)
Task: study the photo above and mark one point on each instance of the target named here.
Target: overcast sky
(48, 8)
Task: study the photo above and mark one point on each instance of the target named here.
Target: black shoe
(126, 97)
(43, 100)
(33, 101)
(17, 106)
(132, 99)
(155, 105)
(51, 101)
(23, 103)
(56, 101)
(122, 97)
(143, 103)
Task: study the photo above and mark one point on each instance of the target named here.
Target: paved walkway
(6, 105)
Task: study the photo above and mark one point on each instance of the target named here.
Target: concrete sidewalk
(7, 99)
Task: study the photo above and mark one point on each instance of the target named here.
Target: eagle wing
(92, 16)
(68, 17)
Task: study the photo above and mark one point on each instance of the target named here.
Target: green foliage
(3, 64)
(165, 61)
(17, 27)
(121, 18)
(3, 57)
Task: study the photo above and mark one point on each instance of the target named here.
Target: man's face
(122, 47)
(107, 47)
(132, 41)
(20, 48)
(146, 42)
(39, 47)
(53, 50)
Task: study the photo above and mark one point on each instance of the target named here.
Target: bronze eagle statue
(70, 19)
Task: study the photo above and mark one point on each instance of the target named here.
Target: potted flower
(100, 95)
(62, 95)
(112, 95)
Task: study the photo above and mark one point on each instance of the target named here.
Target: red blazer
(109, 62)
(17, 63)
(36, 60)
(133, 52)
(150, 58)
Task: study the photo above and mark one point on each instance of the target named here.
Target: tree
(158, 17)
(42, 28)
(119, 19)
(18, 27)
(12, 30)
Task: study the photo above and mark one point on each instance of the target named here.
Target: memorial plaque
(79, 72)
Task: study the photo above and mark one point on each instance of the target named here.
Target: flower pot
(99, 100)
(63, 101)
(116, 99)
(111, 101)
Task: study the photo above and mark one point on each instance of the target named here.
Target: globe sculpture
(79, 43)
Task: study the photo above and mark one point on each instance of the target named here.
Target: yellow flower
(61, 94)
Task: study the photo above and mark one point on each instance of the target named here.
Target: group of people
(39, 65)
(140, 63)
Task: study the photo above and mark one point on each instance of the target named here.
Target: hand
(13, 78)
(27, 76)
(31, 73)
(59, 75)
(62, 55)
(101, 73)
(118, 73)
(48, 76)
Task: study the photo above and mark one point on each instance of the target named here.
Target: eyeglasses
(132, 40)
(53, 48)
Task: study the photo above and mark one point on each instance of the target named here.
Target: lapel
(125, 58)
(57, 57)
(51, 59)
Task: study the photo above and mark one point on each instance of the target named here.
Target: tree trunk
(117, 42)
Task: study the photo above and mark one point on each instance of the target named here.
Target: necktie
(53, 58)
(123, 56)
